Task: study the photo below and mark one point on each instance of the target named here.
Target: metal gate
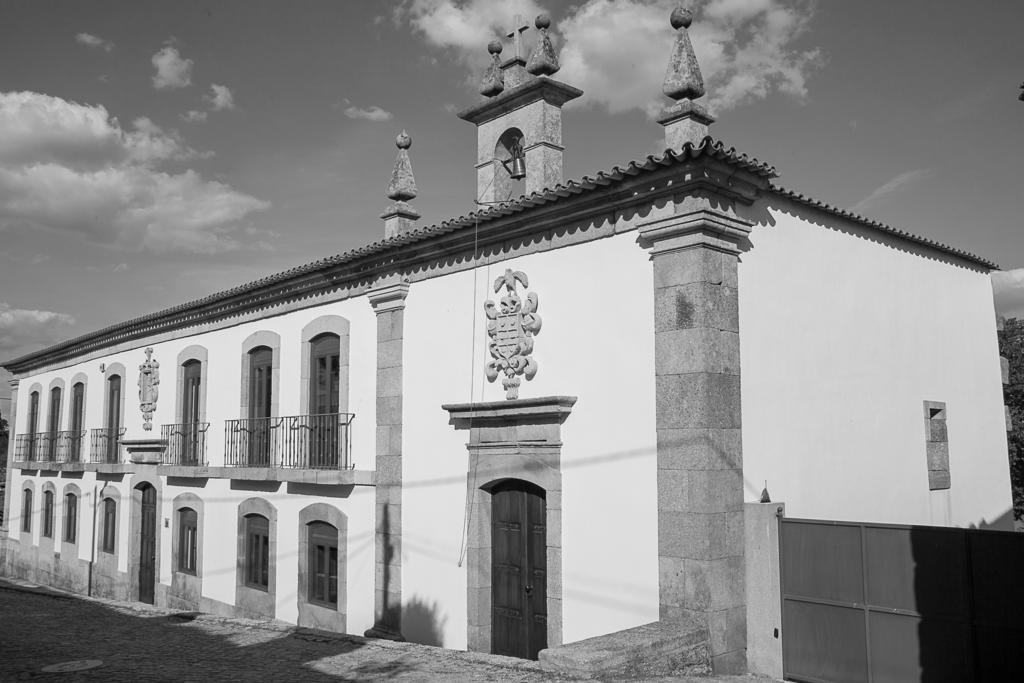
(880, 603)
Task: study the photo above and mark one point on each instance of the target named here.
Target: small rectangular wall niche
(937, 445)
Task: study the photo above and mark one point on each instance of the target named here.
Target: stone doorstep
(655, 649)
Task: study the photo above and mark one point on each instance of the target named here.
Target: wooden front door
(518, 570)
(147, 545)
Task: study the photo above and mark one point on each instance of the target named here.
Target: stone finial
(682, 78)
(685, 121)
(543, 61)
(400, 216)
(403, 185)
(493, 81)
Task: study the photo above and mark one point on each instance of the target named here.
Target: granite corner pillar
(387, 297)
(697, 382)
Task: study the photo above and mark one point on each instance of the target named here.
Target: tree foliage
(1011, 347)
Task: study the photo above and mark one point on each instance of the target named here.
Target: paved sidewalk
(42, 627)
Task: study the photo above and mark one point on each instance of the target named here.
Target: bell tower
(519, 124)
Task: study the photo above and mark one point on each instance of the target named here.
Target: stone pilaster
(12, 417)
(388, 300)
(700, 465)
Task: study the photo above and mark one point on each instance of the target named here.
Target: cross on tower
(519, 26)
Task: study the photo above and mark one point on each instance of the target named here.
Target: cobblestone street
(42, 628)
(135, 642)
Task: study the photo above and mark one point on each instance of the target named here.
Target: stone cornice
(542, 409)
(539, 88)
(703, 227)
(388, 295)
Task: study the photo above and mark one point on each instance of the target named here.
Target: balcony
(57, 448)
(186, 444)
(306, 442)
(105, 446)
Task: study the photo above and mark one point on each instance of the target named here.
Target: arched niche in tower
(510, 144)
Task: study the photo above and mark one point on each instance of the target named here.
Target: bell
(518, 169)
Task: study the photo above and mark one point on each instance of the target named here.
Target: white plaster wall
(596, 302)
(842, 338)
(223, 403)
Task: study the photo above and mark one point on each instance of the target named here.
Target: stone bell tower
(521, 117)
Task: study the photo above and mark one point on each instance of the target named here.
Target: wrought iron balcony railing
(56, 447)
(319, 442)
(69, 446)
(186, 443)
(32, 447)
(105, 445)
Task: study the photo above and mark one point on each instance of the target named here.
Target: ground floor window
(70, 517)
(48, 514)
(109, 524)
(257, 555)
(323, 563)
(26, 511)
(188, 535)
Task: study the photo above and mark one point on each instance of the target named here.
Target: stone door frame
(516, 439)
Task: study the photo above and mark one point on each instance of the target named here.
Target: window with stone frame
(70, 518)
(48, 514)
(33, 425)
(322, 564)
(257, 552)
(53, 424)
(109, 525)
(26, 511)
(188, 540)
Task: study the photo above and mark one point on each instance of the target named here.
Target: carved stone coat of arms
(512, 324)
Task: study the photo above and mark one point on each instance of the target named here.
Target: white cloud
(20, 328)
(171, 70)
(467, 26)
(891, 187)
(193, 116)
(90, 40)
(1008, 289)
(616, 51)
(73, 168)
(221, 97)
(371, 113)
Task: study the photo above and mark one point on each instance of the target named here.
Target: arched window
(261, 379)
(324, 369)
(70, 518)
(48, 514)
(33, 425)
(323, 563)
(109, 525)
(26, 511)
(53, 423)
(188, 540)
(257, 552)
(77, 422)
(113, 423)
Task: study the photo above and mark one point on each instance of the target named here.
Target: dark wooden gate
(518, 570)
(147, 545)
(877, 602)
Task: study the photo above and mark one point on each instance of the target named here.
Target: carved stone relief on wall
(149, 388)
(513, 322)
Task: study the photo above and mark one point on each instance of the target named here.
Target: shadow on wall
(422, 622)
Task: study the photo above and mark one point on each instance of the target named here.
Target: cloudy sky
(152, 153)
